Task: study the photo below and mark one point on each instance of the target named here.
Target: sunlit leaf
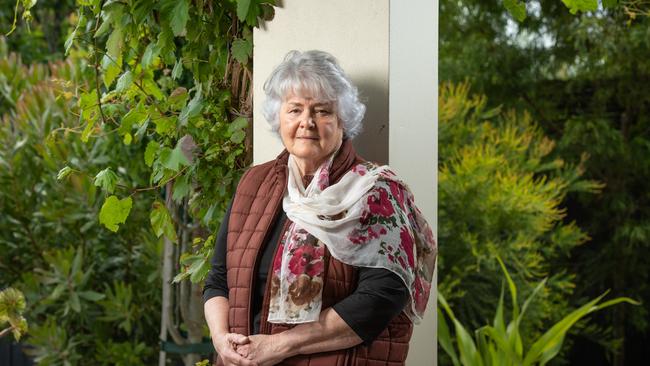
(114, 212)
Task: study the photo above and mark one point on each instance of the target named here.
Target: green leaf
(240, 123)
(516, 8)
(241, 50)
(106, 179)
(114, 211)
(581, 5)
(181, 188)
(192, 109)
(243, 7)
(150, 152)
(161, 221)
(151, 88)
(127, 139)
(136, 115)
(179, 16)
(165, 125)
(124, 82)
(74, 302)
(199, 270)
(115, 43)
(85, 135)
(177, 72)
(64, 172)
(81, 22)
(111, 70)
(149, 54)
(444, 338)
(238, 136)
(173, 159)
(91, 295)
(178, 98)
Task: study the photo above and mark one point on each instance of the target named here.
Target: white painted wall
(413, 137)
(375, 41)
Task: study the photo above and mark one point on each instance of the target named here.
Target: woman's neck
(308, 167)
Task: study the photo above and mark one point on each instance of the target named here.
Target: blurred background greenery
(544, 137)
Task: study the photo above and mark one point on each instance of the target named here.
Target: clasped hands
(256, 350)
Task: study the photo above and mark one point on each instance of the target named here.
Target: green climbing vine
(174, 79)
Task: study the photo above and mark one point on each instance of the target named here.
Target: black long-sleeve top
(379, 297)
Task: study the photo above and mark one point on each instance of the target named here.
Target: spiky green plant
(503, 345)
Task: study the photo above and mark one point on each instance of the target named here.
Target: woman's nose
(308, 121)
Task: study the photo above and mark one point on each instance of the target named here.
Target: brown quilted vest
(257, 202)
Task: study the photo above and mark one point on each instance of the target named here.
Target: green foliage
(502, 345)
(12, 306)
(516, 9)
(149, 107)
(196, 266)
(583, 79)
(581, 5)
(53, 247)
(500, 193)
(37, 28)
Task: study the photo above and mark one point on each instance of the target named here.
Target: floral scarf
(367, 219)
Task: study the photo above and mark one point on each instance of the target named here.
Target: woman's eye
(294, 111)
(323, 112)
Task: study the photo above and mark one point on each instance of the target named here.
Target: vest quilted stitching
(257, 202)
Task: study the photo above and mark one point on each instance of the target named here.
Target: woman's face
(310, 130)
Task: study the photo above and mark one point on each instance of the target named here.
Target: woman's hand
(264, 350)
(227, 345)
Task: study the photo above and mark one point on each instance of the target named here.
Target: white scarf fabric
(366, 219)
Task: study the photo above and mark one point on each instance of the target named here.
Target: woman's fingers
(228, 350)
(237, 338)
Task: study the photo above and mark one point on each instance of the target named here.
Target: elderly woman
(322, 257)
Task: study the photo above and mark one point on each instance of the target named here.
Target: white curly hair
(315, 73)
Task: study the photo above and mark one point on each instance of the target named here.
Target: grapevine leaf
(240, 123)
(173, 159)
(136, 115)
(178, 98)
(161, 221)
(111, 70)
(242, 9)
(85, 134)
(106, 179)
(114, 211)
(124, 82)
(81, 22)
(150, 152)
(241, 50)
(165, 125)
(238, 136)
(177, 72)
(179, 17)
(181, 188)
(151, 88)
(115, 43)
(192, 109)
